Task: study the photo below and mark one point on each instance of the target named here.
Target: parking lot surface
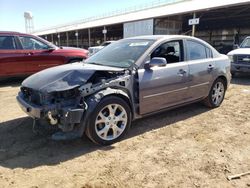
(192, 146)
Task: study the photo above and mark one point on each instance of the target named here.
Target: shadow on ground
(241, 79)
(12, 82)
(21, 148)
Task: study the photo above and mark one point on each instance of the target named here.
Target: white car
(92, 50)
(240, 58)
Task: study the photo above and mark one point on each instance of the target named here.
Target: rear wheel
(216, 94)
(110, 120)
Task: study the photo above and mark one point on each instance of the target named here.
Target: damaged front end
(67, 95)
(63, 108)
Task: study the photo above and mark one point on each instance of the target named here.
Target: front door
(10, 55)
(162, 87)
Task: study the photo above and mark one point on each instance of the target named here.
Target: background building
(222, 23)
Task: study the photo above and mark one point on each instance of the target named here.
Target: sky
(48, 13)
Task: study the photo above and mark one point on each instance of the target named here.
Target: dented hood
(64, 77)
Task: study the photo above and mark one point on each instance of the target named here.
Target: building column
(52, 38)
(59, 42)
(193, 26)
(76, 34)
(104, 31)
(67, 38)
(89, 37)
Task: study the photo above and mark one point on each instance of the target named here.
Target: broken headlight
(31, 95)
(59, 96)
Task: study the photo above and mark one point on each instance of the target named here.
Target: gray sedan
(127, 80)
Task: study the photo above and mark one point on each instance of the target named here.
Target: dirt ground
(191, 146)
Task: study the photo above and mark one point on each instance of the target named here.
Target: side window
(171, 51)
(196, 50)
(30, 43)
(7, 43)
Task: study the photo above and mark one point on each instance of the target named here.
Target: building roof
(9, 32)
(170, 9)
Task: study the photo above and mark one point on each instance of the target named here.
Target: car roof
(166, 37)
(159, 37)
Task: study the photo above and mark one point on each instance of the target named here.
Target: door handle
(210, 67)
(182, 72)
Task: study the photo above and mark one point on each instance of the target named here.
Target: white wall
(144, 27)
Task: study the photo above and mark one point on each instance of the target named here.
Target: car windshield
(245, 43)
(121, 54)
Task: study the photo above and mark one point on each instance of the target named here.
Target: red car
(24, 54)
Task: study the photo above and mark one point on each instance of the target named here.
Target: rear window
(7, 43)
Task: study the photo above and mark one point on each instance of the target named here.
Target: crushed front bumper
(65, 115)
(32, 110)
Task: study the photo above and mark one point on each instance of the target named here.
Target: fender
(93, 100)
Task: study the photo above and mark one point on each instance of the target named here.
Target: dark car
(129, 79)
(24, 54)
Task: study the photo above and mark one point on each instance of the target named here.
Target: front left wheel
(109, 121)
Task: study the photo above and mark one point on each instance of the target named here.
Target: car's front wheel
(216, 94)
(110, 120)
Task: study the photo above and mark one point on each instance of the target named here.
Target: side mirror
(156, 62)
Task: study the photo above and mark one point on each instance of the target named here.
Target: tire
(104, 127)
(216, 94)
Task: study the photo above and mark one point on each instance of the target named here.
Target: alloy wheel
(218, 93)
(111, 121)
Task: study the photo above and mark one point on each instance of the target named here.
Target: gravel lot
(191, 146)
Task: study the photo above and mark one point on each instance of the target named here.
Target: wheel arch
(224, 79)
(118, 93)
(93, 100)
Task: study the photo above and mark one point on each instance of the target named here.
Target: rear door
(36, 55)
(10, 54)
(201, 67)
(162, 87)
